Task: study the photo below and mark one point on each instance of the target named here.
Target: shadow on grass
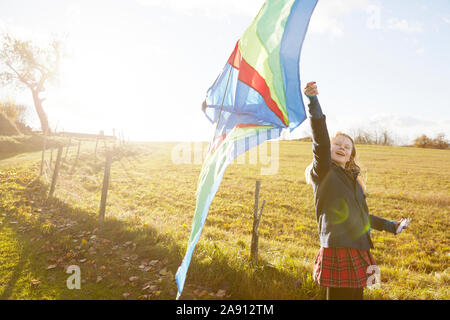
(8, 288)
(18, 269)
(56, 235)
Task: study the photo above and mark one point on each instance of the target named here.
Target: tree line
(437, 143)
(384, 137)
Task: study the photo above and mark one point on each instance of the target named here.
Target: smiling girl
(344, 262)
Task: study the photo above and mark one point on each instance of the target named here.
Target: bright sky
(144, 66)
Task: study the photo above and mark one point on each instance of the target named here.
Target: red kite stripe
(252, 78)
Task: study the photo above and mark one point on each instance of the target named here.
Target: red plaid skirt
(342, 267)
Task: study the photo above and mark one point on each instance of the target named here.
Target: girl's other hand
(397, 223)
(311, 89)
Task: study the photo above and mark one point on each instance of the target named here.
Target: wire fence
(79, 176)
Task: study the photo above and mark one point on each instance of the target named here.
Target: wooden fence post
(76, 159)
(44, 146)
(101, 216)
(96, 144)
(55, 172)
(256, 220)
(51, 158)
(67, 149)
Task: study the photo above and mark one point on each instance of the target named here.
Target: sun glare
(105, 83)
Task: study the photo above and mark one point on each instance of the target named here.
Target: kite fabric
(256, 96)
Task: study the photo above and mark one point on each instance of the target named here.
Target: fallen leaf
(52, 266)
(154, 288)
(153, 262)
(35, 282)
(145, 287)
(126, 295)
(133, 278)
(200, 293)
(220, 293)
(163, 272)
(151, 287)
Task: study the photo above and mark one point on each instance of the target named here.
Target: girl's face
(341, 150)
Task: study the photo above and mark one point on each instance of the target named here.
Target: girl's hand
(398, 223)
(311, 89)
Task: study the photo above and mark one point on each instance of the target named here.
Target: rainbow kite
(253, 99)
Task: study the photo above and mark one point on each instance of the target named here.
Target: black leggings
(345, 293)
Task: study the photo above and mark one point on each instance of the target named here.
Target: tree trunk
(40, 111)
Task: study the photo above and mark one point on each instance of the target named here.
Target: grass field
(151, 202)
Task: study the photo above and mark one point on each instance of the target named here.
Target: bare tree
(386, 138)
(32, 66)
(361, 136)
(377, 136)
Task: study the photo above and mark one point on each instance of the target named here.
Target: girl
(344, 262)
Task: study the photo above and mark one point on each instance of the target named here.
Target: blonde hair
(351, 167)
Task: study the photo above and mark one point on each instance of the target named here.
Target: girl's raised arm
(320, 137)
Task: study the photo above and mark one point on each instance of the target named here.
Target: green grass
(151, 203)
